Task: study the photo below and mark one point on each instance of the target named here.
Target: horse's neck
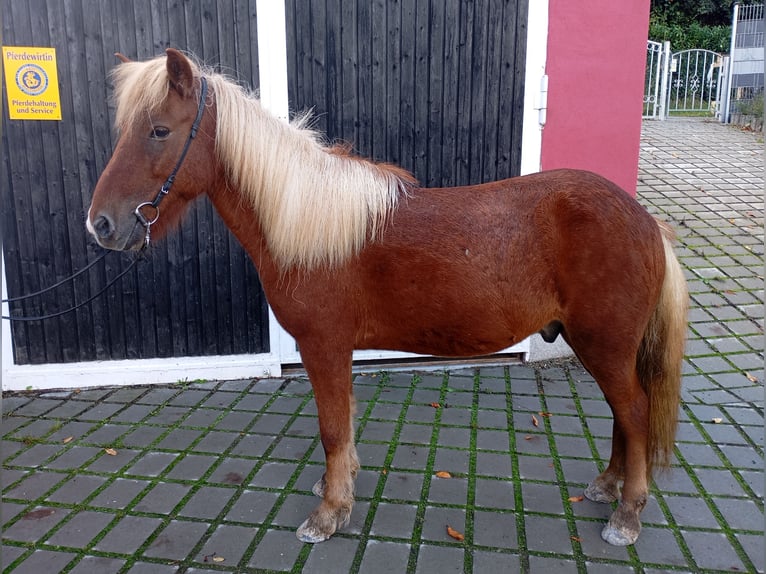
(239, 217)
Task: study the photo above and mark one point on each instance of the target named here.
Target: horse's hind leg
(330, 377)
(606, 486)
(613, 366)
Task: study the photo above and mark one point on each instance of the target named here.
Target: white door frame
(272, 49)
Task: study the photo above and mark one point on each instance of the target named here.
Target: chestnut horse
(353, 254)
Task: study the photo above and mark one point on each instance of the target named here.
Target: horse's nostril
(103, 227)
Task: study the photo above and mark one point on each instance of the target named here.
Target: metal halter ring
(146, 222)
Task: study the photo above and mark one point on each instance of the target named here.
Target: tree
(702, 12)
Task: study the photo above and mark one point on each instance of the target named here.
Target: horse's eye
(160, 133)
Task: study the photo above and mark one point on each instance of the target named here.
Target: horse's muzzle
(107, 234)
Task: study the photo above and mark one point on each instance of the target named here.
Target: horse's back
(475, 269)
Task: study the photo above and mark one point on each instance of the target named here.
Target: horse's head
(160, 103)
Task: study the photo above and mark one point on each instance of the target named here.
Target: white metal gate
(655, 79)
(694, 78)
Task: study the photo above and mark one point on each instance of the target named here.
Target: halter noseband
(147, 222)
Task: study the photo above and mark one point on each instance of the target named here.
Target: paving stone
(277, 550)
(542, 498)
(133, 413)
(439, 559)
(99, 412)
(167, 416)
(437, 519)
(453, 461)
(753, 546)
(485, 561)
(34, 485)
(337, 557)
(8, 554)
(492, 464)
(208, 502)
(44, 561)
(393, 520)
(403, 486)
(83, 527)
(73, 458)
(232, 471)
(128, 535)
(383, 557)
(192, 467)
(178, 439)
(35, 524)
(10, 510)
(229, 542)
(98, 565)
(143, 436)
(216, 442)
(292, 448)
(76, 489)
(162, 498)
(712, 550)
(691, 512)
(495, 529)
(176, 540)
(36, 455)
(119, 494)
(252, 507)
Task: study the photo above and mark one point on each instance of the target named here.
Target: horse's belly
(450, 334)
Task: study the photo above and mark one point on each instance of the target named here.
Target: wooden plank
(520, 56)
(348, 102)
(490, 147)
(408, 38)
(421, 92)
(393, 93)
(364, 26)
(436, 97)
(453, 86)
(378, 74)
(477, 128)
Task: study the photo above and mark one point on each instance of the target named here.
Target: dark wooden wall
(434, 86)
(197, 294)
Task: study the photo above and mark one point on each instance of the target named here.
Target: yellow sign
(32, 83)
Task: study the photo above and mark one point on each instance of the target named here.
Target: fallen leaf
(528, 437)
(110, 451)
(436, 405)
(751, 378)
(455, 534)
(443, 474)
(535, 421)
(384, 471)
(218, 558)
(576, 498)
(576, 538)
(68, 439)
(546, 415)
(717, 421)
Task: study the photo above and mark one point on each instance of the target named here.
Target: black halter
(147, 222)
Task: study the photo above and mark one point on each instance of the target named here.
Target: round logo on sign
(31, 79)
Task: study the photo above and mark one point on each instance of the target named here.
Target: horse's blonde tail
(661, 355)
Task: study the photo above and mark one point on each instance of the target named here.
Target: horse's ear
(179, 72)
(121, 58)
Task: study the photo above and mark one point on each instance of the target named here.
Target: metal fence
(704, 82)
(744, 78)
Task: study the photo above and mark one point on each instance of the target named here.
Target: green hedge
(715, 38)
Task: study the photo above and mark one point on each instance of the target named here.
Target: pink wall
(595, 66)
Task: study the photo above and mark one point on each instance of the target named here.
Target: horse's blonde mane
(317, 205)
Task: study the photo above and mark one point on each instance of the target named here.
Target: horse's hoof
(318, 488)
(619, 537)
(596, 493)
(309, 533)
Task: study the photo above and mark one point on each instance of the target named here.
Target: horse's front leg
(330, 376)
